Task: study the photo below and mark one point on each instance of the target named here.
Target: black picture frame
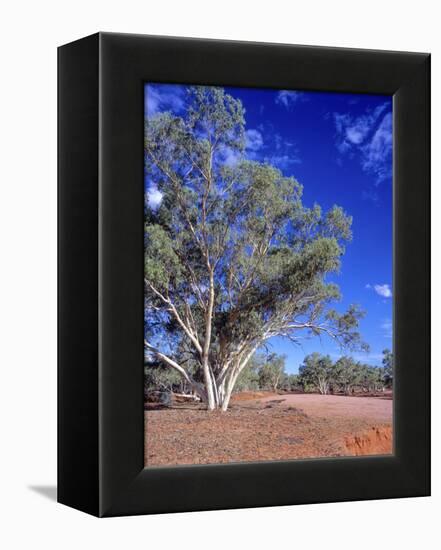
(100, 266)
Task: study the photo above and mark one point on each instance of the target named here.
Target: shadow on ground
(47, 491)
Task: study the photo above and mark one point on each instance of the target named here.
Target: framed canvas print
(244, 274)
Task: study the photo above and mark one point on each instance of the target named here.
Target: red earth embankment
(376, 441)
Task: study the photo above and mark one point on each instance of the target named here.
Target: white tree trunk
(209, 388)
(226, 399)
(323, 386)
(214, 391)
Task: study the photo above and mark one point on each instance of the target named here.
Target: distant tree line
(318, 373)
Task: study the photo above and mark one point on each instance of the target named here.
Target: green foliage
(272, 372)
(388, 365)
(248, 379)
(161, 264)
(216, 117)
(158, 377)
(317, 371)
(347, 373)
(292, 382)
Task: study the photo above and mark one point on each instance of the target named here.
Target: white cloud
(163, 97)
(367, 137)
(386, 327)
(253, 144)
(228, 156)
(377, 151)
(276, 150)
(253, 140)
(354, 135)
(284, 161)
(154, 197)
(288, 98)
(383, 290)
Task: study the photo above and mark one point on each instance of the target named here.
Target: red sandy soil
(251, 395)
(269, 427)
(378, 409)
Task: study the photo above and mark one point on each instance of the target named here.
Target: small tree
(388, 366)
(272, 372)
(317, 371)
(292, 382)
(347, 374)
(160, 380)
(248, 379)
(368, 377)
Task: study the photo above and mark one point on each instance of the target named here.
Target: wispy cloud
(253, 144)
(377, 152)
(366, 357)
(372, 358)
(288, 98)
(367, 137)
(228, 156)
(253, 140)
(274, 149)
(285, 161)
(383, 290)
(386, 327)
(166, 97)
(370, 195)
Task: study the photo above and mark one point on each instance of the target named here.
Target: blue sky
(339, 147)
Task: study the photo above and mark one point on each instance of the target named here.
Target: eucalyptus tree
(248, 378)
(388, 366)
(272, 372)
(232, 256)
(369, 377)
(317, 370)
(348, 373)
(372, 378)
(292, 382)
(157, 378)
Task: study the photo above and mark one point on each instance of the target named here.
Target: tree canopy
(317, 371)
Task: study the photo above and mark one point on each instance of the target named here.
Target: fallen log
(187, 396)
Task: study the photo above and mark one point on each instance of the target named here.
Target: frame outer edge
(413, 243)
(124, 486)
(78, 482)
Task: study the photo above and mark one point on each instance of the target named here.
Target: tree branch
(178, 318)
(171, 363)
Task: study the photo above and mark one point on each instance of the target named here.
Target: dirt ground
(371, 408)
(269, 427)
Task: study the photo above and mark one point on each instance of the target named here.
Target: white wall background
(30, 33)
